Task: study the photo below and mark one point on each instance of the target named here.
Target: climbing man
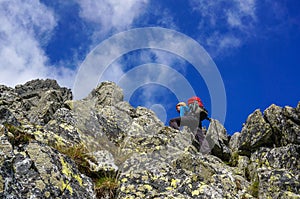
(192, 116)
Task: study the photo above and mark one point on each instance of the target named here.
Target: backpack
(197, 109)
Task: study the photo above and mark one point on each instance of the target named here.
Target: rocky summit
(52, 146)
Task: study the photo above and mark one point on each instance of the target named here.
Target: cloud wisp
(111, 15)
(225, 24)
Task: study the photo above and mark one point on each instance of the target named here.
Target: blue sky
(253, 43)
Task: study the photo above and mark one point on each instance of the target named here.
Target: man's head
(179, 105)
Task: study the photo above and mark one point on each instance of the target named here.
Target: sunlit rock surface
(52, 146)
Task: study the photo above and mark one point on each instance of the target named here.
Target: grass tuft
(106, 182)
(107, 186)
(78, 153)
(19, 136)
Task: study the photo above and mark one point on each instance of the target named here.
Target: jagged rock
(284, 123)
(114, 121)
(218, 140)
(277, 183)
(106, 93)
(33, 89)
(36, 101)
(104, 162)
(45, 108)
(242, 164)
(273, 167)
(286, 157)
(34, 170)
(187, 176)
(54, 147)
(256, 133)
(234, 141)
(7, 117)
(7, 95)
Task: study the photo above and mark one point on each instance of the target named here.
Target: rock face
(101, 147)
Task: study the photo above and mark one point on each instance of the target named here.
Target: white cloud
(21, 56)
(26, 26)
(112, 14)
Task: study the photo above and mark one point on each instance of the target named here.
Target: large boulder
(255, 134)
(285, 124)
(267, 152)
(30, 169)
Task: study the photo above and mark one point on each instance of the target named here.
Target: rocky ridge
(102, 147)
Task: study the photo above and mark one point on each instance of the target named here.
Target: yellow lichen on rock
(195, 192)
(65, 167)
(67, 171)
(124, 180)
(174, 183)
(148, 187)
(145, 178)
(66, 186)
(202, 187)
(47, 194)
(67, 127)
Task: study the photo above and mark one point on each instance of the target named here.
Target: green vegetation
(106, 182)
(18, 135)
(234, 159)
(253, 189)
(106, 186)
(78, 153)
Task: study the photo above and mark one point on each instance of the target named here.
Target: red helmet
(195, 98)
